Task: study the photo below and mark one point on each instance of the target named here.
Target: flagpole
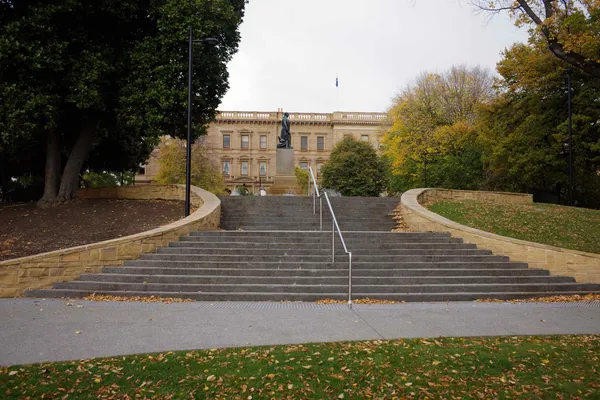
(337, 93)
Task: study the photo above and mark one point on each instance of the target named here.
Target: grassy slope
(507, 367)
(569, 227)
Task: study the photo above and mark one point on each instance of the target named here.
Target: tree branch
(548, 8)
(530, 12)
(575, 59)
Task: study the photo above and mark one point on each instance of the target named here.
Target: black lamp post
(188, 161)
(569, 74)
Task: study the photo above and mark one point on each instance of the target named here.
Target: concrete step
(389, 272)
(184, 264)
(281, 227)
(320, 250)
(299, 217)
(347, 234)
(357, 280)
(310, 246)
(306, 227)
(391, 241)
(307, 288)
(299, 296)
(323, 258)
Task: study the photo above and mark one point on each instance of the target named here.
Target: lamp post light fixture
(188, 162)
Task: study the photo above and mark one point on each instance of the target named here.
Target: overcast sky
(291, 51)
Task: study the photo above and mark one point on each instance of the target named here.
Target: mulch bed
(27, 230)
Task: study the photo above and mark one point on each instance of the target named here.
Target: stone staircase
(296, 213)
(273, 251)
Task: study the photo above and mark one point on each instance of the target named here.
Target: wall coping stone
(410, 199)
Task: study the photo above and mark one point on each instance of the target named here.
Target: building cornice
(314, 119)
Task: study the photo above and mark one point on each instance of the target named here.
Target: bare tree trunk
(52, 170)
(70, 177)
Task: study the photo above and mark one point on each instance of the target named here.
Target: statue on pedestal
(285, 140)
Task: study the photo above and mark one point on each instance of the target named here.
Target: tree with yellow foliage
(433, 128)
(204, 174)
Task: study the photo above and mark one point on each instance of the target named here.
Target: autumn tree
(433, 129)
(106, 79)
(301, 179)
(204, 173)
(569, 28)
(525, 129)
(354, 169)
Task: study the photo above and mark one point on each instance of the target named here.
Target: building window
(364, 138)
(262, 168)
(226, 141)
(320, 143)
(304, 143)
(226, 167)
(263, 141)
(244, 168)
(319, 166)
(142, 170)
(245, 141)
(304, 165)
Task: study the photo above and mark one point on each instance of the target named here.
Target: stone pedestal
(284, 182)
(285, 162)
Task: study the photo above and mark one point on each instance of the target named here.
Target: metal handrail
(315, 191)
(334, 226)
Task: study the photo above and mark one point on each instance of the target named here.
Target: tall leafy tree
(354, 169)
(80, 77)
(569, 28)
(526, 131)
(433, 128)
(205, 173)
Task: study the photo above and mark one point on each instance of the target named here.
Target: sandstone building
(244, 143)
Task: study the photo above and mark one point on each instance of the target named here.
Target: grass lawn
(546, 367)
(568, 227)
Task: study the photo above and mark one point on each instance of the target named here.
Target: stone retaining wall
(41, 270)
(433, 195)
(584, 267)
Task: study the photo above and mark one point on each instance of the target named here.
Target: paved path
(33, 330)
